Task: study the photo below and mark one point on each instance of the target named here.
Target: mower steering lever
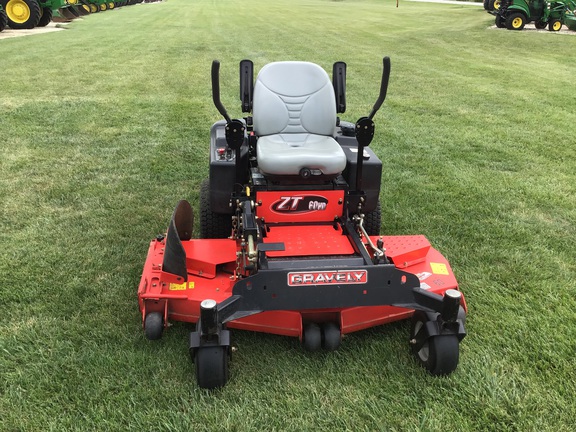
(383, 87)
(216, 90)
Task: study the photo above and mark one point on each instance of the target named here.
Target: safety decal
(424, 275)
(439, 268)
(181, 287)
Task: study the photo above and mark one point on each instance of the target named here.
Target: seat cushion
(287, 154)
(294, 97)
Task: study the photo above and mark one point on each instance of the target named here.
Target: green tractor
(3, 19)
(570, 19)
(27, 14)
(515, 14)
(93, 6)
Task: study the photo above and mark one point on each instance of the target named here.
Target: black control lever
(365, 126)
(246, 84)
(339, 83)
(216, 90)
(383, 86)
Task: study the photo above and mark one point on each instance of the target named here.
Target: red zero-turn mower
(289, 227)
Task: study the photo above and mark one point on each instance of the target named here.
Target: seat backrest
(293, 98)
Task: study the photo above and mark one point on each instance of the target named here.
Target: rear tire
(373, 220)
(46, 17)
(515, 21)
(22, 14)
(540, 25)
(212, 225)
(3, 20)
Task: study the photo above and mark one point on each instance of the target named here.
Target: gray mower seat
(294, 113)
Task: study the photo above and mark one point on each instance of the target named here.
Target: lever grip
(216, 90)
(383, 86)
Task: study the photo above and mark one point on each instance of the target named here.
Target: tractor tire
(212, 225)
(515, 21)
(3, 20)
(22, 14)
(486, 4)
(73, 11)
(103, 7)
(555, 25)
(490, 5)
(94, 8)
(373, 220)
(540, 25)
(500, 23)
(46, 17)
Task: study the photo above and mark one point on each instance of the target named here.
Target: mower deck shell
(211, 263)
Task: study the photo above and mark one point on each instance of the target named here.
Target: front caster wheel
(211, 366)
(440, 354)
(153, 325)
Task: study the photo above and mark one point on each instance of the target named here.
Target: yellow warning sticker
(177, 287)
(181, 287)
(439, 268)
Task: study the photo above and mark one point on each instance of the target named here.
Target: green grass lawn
(104, 127)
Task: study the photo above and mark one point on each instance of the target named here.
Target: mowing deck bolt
(412, 341)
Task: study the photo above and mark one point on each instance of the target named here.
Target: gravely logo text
(335, 277)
